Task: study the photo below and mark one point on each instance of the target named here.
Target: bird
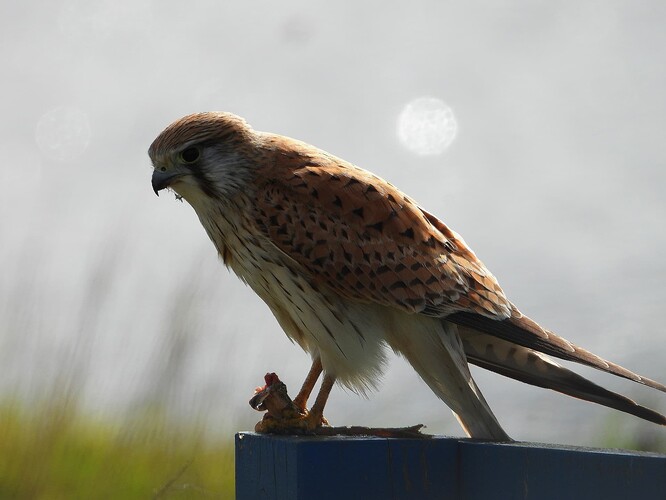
(352, 269)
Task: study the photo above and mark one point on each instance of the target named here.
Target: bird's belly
(346, 335)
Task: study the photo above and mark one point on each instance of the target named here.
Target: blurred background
(534, 129)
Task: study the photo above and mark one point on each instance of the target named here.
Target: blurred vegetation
(50, 448)
(616, 436)
(55, 452)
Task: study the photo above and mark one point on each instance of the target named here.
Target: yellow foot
(283, 416)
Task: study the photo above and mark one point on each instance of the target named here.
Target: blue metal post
(369, 468)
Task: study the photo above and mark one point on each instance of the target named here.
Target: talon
(297, 424)
(284, 416)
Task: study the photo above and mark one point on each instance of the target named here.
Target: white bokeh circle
(426, 126)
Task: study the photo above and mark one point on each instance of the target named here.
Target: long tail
(532, 367)
(436, 353)
(521, 330)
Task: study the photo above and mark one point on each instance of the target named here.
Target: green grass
(56, 453)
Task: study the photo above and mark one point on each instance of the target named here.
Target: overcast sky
(553, 170)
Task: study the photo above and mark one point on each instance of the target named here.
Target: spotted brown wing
(359, 235)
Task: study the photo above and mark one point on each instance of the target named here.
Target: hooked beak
(162, 180)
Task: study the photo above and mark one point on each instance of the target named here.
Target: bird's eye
(190, 155)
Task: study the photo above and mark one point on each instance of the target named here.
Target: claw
(282, 416)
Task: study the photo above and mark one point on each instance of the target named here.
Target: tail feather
(521, 330)
(535, 368)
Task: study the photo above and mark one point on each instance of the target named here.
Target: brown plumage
(359, 235)
(349, 264)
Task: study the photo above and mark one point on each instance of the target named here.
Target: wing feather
(362, 237)
(532, 367)
(521, 330)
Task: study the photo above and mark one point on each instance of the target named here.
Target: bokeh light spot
(427, 126)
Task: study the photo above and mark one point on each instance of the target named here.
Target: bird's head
(204, 155)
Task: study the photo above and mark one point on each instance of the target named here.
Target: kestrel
(349, 266)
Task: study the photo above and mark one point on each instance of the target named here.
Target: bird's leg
(301, 399)
(315, 417)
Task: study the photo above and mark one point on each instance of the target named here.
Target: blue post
(369, 468)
